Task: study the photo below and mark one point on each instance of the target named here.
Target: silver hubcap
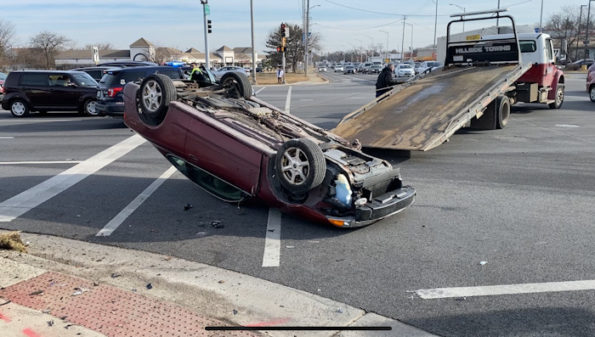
(151, 95)
(91, 108)
(560, 96)
(295, 166)
(593, 94)
(18, 108)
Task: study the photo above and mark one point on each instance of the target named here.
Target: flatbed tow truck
(476, 88)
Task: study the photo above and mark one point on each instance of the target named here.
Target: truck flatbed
(422, 114)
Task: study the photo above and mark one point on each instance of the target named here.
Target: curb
(212, 292)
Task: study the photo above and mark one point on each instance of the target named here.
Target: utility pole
(306, 37)
(578, 34)
(205, 8)
(498, 20)
(403, 40)
(384, 31)
(587, 33)
(435, 23)
(541, 18)
(463, 8)
(252, 36)
(411, 45)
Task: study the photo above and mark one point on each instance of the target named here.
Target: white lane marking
(288, 100)
(39, 162)
(20, 204)
(272, 242)
(508, 289)
(6, 137)
(259, 90)
(567, 126)
(114, 223)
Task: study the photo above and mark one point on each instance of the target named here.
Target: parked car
(96, 72)
(404, 71)
(429, 66)
(322, 69)
(591, 82)
(416, 67)
(128, 64)
(579, 63)
(110, 100)
(339, 68)
(375, 69)
(223, 70)
(2, 79)
(47, 90)
(349, 70)
(243, 148)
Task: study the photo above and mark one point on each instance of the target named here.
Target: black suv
(44, 90)
(96, 72)
(110, 99)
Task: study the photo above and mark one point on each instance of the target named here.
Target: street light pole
(204, 13)
(411, 45)
(403, 40)
(384, 31)
(252, 33)
(306, 39)
(541, 18)
(587, 34)
(463, 8)
(435, 23)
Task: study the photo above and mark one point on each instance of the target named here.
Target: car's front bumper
(378, 208)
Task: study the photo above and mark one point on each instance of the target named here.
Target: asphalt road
(494, 208)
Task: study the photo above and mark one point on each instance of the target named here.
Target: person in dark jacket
(385, 80)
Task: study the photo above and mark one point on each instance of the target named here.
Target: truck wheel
(300, 165)
(503, 104)
(153, 97)
(559, 99)
(236, 85)
(489, 119)
(19, 108)
(592, 93)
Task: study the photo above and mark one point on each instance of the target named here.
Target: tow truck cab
(543, 82)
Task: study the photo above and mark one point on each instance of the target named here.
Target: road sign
(207, 10)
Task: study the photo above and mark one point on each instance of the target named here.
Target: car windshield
(404, 66)
(84, 80)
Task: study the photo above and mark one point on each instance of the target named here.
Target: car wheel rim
(151, 96)
(560, 96)
(295, 166)
(593, 94)
(232, 87)
(91, 110)
(18, 108)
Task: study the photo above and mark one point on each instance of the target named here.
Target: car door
(550, 64)
(35, 88)
(64, 92)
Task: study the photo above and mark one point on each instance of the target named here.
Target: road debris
(187, 206)
(149, 286)
(79, 291)
(483, 263)
(12, 241)
(37, 292)
(216, 224)
(51, 323)
(115, 275)
(235, 312)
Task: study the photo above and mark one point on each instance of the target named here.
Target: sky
(341, 24)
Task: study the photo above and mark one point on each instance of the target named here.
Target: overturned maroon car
(236, 147)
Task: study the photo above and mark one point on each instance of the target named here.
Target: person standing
(385, 80)
(280, 75)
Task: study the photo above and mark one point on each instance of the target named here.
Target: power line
(377, 12)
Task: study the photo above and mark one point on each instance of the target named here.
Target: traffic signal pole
(204, 13)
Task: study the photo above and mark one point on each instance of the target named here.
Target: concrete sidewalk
(65, 288)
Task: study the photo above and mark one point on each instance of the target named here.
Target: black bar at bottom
(298, 328)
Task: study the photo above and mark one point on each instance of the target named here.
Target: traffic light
(209, 26)
(284, 30)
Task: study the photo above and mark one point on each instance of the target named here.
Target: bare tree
(164, 54)
(100, 46)
(49, 43)
(564, 25)
(6, 35)
(294, 48)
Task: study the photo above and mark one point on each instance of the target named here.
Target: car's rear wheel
(19, 108)
(503, 104)
(153, 98)
(559, 98)
(300, 165)
(236, 85)
(592, 93)
(89, 108)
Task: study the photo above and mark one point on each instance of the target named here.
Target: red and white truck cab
(543, 82)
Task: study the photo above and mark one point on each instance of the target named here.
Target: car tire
(89, 107)
(236, 85)
(300, 165)
(153, 97)
(559, 98)
(592, 93)
(19, 108)
(503, 105)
